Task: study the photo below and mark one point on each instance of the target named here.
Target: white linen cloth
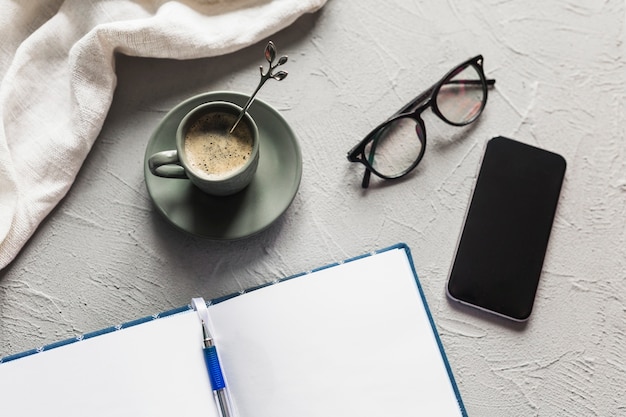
(58, 76)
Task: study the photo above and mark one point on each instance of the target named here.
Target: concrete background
(104, 256)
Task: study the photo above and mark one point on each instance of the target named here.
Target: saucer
(249, 211)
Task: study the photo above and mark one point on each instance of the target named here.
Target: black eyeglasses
(393, 149)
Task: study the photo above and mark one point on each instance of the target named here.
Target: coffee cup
(218, 162)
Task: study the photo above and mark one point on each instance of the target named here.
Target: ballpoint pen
(212, 363)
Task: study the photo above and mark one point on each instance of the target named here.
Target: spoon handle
(270, 56)
(248, 103)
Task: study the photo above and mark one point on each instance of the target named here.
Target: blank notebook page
(154, 369)
(351, 340)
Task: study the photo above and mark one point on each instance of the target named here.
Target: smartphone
(502, 246)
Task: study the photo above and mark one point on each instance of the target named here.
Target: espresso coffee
(212, 150)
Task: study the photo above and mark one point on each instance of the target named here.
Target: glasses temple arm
(417, 100)
(370, 158)
(489, 82)
(366, 179)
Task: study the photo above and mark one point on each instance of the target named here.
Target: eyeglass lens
(397, 146)
(462, 96)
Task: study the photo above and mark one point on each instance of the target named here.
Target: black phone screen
(503, 243)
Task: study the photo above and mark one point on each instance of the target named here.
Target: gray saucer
(246, 213)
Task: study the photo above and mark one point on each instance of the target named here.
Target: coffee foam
(213, 151)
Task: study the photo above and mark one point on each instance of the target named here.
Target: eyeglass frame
(413, 109)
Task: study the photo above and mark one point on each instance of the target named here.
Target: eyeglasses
(395, 147)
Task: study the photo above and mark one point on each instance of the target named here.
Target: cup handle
(166, 164)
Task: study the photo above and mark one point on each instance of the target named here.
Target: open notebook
(350, 339)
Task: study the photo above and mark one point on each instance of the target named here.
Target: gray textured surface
(104, 256)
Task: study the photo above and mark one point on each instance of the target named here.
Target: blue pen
(212, 362)
(215, 373)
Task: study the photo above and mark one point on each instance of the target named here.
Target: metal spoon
(270, 56)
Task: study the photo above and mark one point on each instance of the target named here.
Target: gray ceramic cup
(216, 162)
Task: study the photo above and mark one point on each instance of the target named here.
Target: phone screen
(507, 226)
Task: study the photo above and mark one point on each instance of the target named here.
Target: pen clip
(199, 305)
